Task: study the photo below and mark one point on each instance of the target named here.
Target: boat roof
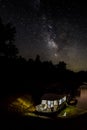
(52, 96)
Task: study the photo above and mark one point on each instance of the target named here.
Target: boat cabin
(51, 102)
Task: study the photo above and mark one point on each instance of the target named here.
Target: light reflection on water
(80, 107)
(82, 99)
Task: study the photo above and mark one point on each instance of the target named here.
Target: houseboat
(51, 103)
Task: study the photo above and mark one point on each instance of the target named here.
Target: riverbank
(17, 113)
(13, 122)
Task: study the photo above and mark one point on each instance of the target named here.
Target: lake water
(82, 99)
(80, 107)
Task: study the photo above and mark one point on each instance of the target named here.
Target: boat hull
(51, 113)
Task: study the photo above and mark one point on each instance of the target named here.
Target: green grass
(69, 111)
(25, 105)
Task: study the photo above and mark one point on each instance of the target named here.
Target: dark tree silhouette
(61, 65)
(7, 37)
(37, 58)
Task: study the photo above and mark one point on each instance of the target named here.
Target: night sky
(54, 29)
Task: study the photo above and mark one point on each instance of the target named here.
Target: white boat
(51, 103)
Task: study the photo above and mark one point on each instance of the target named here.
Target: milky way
(56, 30)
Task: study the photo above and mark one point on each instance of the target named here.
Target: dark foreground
(15, 122)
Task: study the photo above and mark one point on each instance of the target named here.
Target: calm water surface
(82, 99)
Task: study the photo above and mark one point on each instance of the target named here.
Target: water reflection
(80, 107)
(82, 99)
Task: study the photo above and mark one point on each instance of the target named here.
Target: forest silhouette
(20, 75)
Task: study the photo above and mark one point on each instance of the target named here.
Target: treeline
(18, 74)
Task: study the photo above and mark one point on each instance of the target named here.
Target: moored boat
(51, 104)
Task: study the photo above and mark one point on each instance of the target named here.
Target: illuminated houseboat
(51, 103)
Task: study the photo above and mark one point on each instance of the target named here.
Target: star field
(56, 30)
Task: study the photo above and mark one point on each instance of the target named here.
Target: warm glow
(23, 104)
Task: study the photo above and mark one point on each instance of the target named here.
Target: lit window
(60, 101)
(55, 102)
(64, 98)
(52, 105)
(49, 103)
(43, 102)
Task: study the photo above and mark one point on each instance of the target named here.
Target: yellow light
(23, 104)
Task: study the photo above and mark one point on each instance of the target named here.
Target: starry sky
(54, 29)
